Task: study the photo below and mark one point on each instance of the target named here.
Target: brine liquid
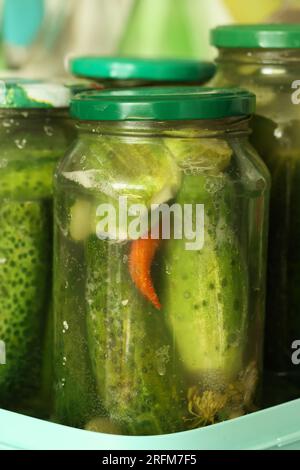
(125, 367)
(279, 144)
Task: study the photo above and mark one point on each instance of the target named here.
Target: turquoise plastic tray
(273, 428)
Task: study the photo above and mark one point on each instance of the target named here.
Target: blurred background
(37, 36)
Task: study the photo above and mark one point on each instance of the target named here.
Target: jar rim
(257, 36)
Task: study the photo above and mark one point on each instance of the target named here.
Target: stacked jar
(160, 246)
(35, 132)
(266, 60)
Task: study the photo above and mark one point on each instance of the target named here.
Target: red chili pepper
(141, 256)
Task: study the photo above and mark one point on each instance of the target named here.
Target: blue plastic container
(275, 428)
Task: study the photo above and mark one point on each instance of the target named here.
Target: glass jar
(35, 132)
(117, 72)
(160, 234)
(266, 61)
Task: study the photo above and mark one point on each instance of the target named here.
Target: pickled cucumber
(205, 292)
(139, 382)
(136, 403)
(195, 154)
(209, 351)
(145, 169)
(24, 272)
(148, 173)
(21, 181)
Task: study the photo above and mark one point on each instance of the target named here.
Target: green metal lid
(35, 94)
(162, 104)
(126, 68)
(268, 36)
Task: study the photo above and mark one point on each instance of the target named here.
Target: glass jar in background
(35, 133)
(159, 320)
(265, 59)
(116, 72)
(289, 12)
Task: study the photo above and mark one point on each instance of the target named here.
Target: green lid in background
(162, 104)
(36, 94)
(80, 85)
(126, 68)
(268, 36)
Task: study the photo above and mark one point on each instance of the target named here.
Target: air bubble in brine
(65, 327)
(49, 130)
(21, 143)
(162, 359)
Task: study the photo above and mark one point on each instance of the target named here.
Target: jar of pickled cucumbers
(35, 132)
(266, 61)
(161, 211)
(117, 72)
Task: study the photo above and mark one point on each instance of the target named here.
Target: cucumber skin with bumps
(31, 145)
(132, 354)
(24, 271)
(205, 294)
(23, 182)
(25, 193)
(148, 176)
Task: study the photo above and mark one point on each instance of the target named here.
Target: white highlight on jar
(296, 353)
(296, 93)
